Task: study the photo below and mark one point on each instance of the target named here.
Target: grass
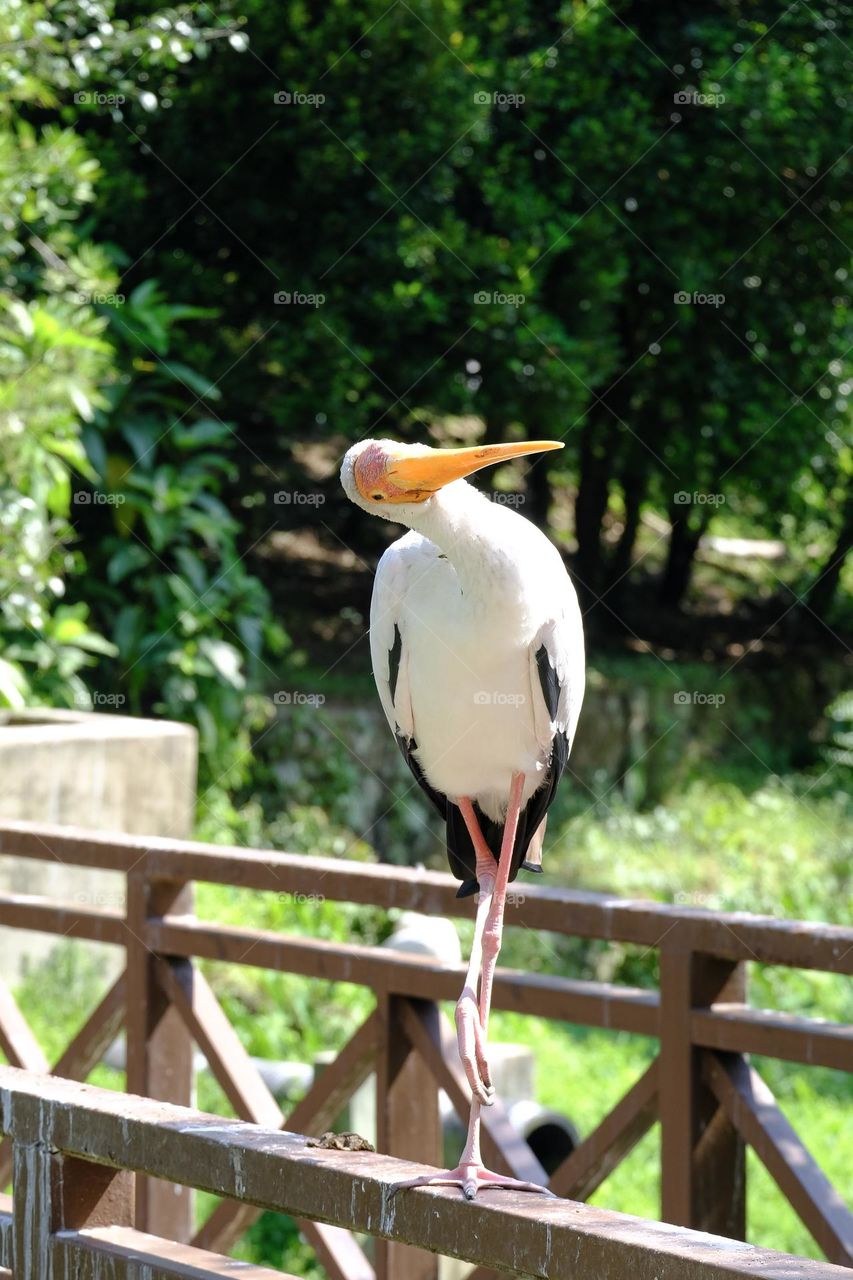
(728, 840)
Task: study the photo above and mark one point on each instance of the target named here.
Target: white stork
(477, 648)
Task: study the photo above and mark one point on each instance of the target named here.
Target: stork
(477, 648)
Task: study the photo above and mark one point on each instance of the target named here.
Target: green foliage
(112, 457)
(840, 714)
(52, 357)
(55, 354)
(190, 625)
(598, 199)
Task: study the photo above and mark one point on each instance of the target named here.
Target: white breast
(471, 696)
(463, 689)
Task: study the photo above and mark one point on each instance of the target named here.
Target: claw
(470, 1179)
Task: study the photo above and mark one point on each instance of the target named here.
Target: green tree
(56, 355)
(694, 150)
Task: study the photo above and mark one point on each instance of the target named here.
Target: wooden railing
(71, 1214)
(710, 1100)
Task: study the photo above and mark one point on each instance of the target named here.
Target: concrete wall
(112, 773)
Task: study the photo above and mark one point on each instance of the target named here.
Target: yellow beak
(427, 472)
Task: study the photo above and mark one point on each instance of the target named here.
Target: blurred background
(235, 239)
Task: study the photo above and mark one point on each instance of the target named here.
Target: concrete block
(108, 772)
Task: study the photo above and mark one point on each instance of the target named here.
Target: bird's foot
(471, 1178)
(471, 1040)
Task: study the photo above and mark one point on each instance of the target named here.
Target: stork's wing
(556, 659)
(398, 571)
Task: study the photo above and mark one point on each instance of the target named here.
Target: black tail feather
(460, 849)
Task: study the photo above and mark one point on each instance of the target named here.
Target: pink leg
(470, 1031)
(472, 1019)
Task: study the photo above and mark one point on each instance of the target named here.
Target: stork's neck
(477, 538)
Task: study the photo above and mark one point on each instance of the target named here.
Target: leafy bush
(55, 354)
(167, 583)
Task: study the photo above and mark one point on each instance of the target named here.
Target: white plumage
(463, 607)
(477, 648)
(468, 688)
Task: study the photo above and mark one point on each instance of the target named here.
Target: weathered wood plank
(6, 1230)
(96, 924)
(703, 1158)
(408, 1125)
(159, 1048)
(120, 1253)
(736, 1028)
(240, 1080)
(54, 1190)
(16, 1039)
(597, 1004)
(187, 988)
(731, 935)
(553, 1239)
(583, 1172)
(82, 1054)
(315, 1113)
(754, 1112)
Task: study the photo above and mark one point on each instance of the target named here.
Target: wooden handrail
(729, 935)
(704, 1098)
(61, 1128)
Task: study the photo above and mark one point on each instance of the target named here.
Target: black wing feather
(395, 653)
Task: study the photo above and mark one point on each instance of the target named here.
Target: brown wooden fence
(71, 1214)
(710, 1100)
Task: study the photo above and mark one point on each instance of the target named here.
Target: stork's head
(384, 477)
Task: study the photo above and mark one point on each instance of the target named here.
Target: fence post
(55, 1192)
(703, 1159)
(159, 1047)
(408, 1125)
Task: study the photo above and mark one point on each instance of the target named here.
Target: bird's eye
(378, 497)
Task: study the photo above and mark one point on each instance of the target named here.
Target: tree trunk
(620, 561)
(591, 503)
(822, 591)
(683, 543)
